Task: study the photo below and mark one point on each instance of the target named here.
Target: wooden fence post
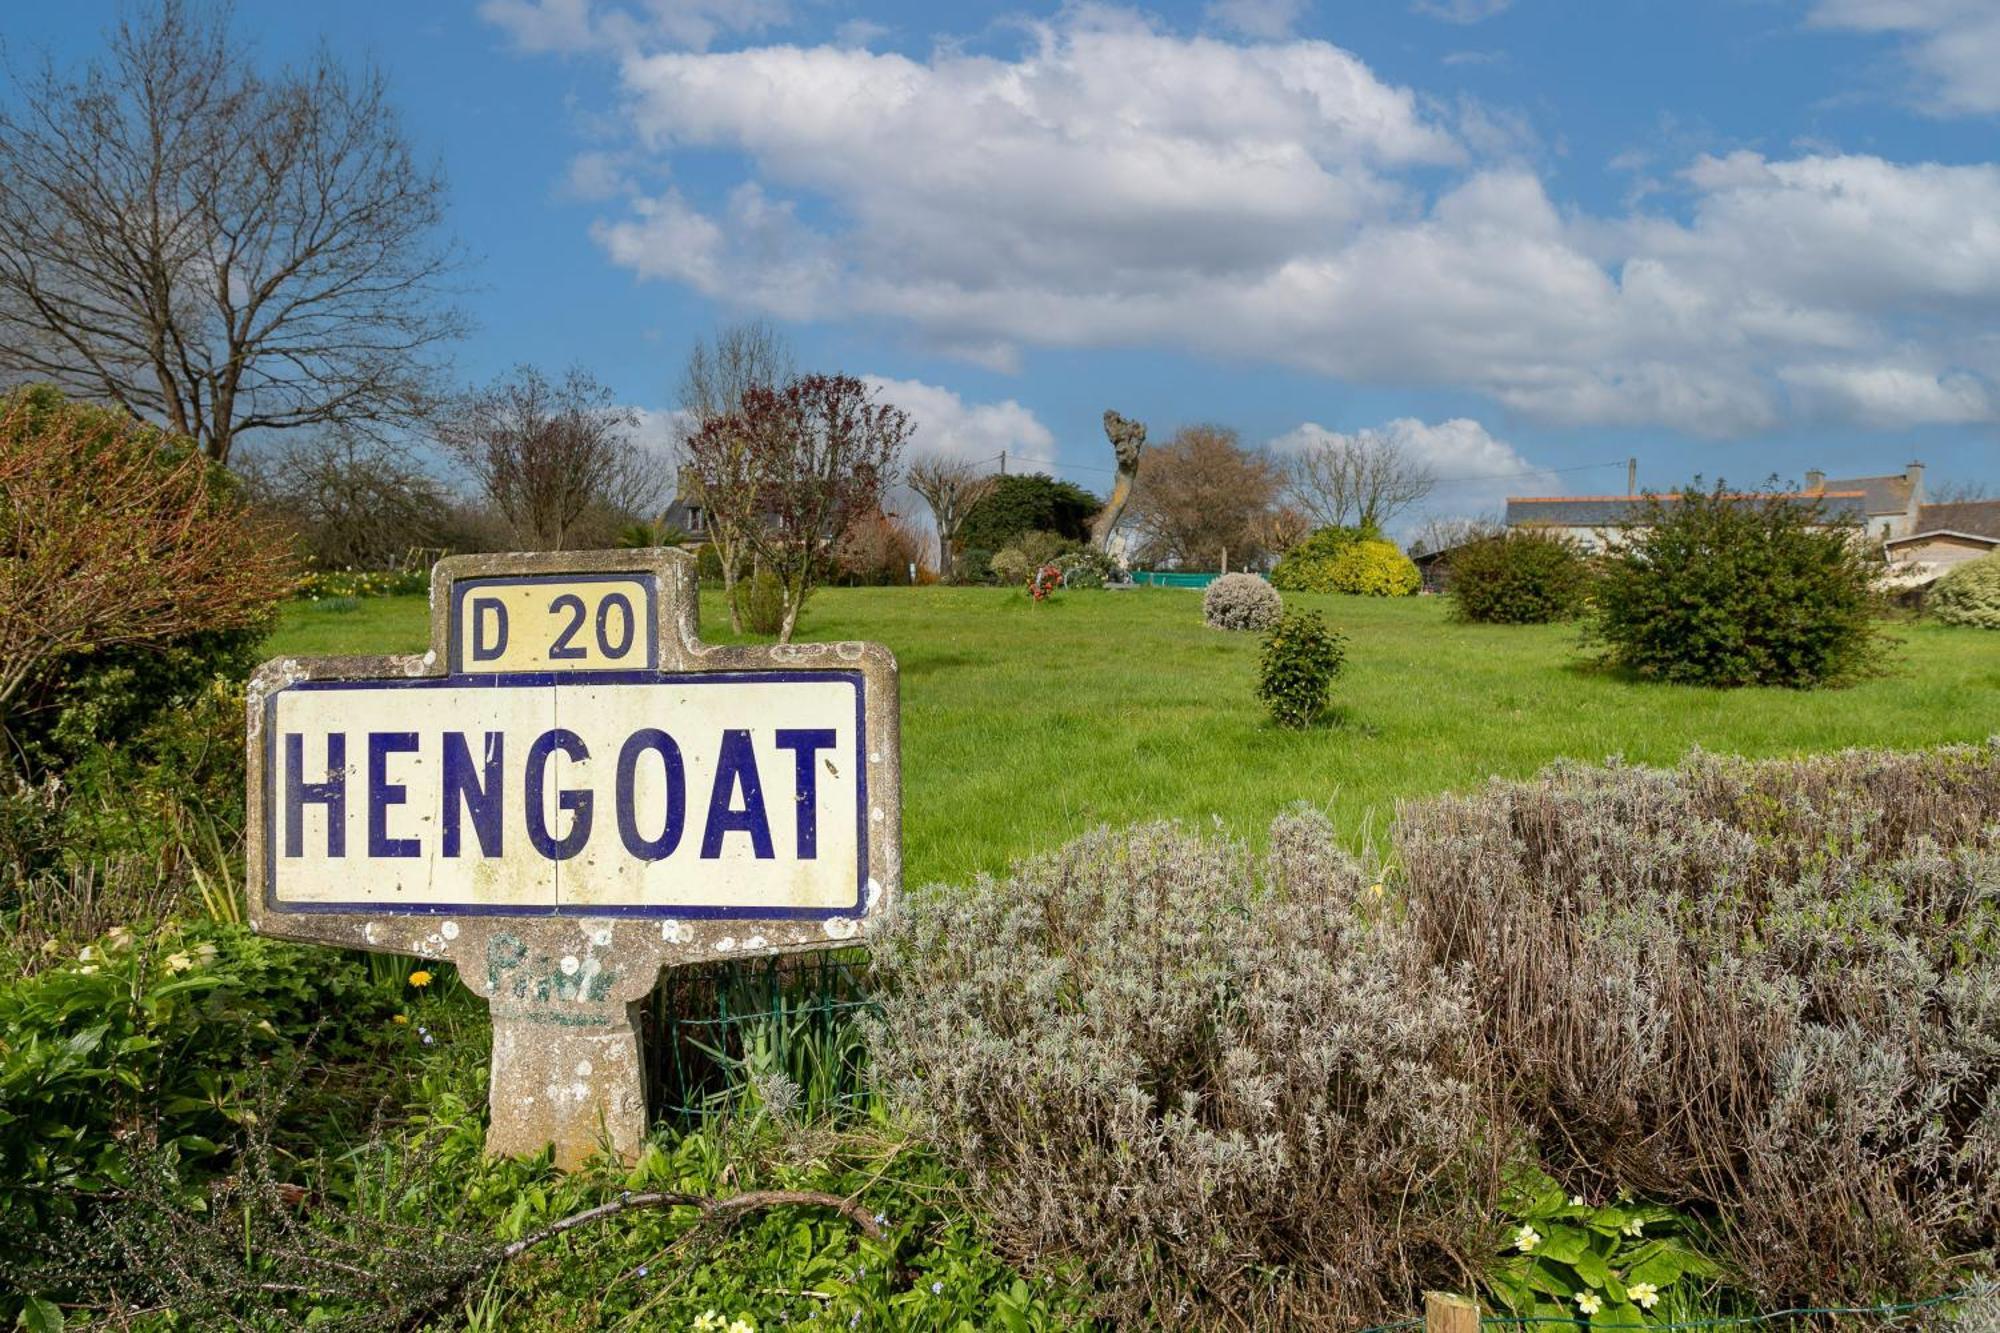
(1444, 1313)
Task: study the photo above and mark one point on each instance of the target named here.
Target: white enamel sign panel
(590, 783)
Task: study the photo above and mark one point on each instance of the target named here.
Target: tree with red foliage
(823, 452)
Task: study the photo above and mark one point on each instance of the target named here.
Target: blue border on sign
(558, 679)
(651, 619)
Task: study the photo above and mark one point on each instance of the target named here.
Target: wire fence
(718, 1034)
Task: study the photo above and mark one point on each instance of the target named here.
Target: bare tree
(1202, 495)
(1959, 492)
(951, 487)
(718, 476)
(355, 502)
(1441, 534)
(822, 452)
(216, 249)
(1359, 480)
(548, 456)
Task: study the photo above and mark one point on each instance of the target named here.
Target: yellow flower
(1374, 890)
(1644, 1294)
(420, 978)
(51, 946)
(1527, 1238)
(179, 962)
(1589, 1302)
(399, 1019)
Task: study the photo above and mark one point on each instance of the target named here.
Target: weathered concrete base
(559, 1079)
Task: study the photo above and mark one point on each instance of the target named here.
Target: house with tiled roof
(1944, 535)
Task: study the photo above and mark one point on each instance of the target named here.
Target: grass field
(1025, 724)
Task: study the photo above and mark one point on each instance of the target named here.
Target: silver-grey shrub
(1233, 1092)
(1241, 602)
(1768, 992)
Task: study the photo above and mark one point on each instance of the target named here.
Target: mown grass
(1025, 724)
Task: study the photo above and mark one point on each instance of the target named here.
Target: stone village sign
(567, 793)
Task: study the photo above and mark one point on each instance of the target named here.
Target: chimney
(1815, 482)
(1914, 474)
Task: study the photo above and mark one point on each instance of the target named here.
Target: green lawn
(1024, 724)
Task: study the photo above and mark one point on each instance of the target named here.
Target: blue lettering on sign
(577, 802)
(472, 791)
(383, 793)
(804, 744)
(332, 794)
(651, 849)
(478, 796)
(735, 766)
(484, 608)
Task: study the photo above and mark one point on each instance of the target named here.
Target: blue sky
(1730, 237)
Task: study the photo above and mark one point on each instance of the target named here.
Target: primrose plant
(1616, 1265)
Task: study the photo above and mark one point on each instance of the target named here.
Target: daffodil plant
(1605, 1265)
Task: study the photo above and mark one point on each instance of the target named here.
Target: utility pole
(1003, 462)
(1631, 476)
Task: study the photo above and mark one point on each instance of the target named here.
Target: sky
(1527, 239)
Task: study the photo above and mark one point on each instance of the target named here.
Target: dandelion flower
(1589, 1302)
(420, 978)
(179, 962)
(400, 1020)
(1644, 1294)
(1527, 1238)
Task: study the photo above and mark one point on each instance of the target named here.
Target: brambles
(1518, 577)
(1356, 561)
(1241, 602)
(1232, 1094)
(1722, 589)
(1969, 595)
(1296, 669)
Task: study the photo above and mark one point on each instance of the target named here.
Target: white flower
(120, 937)
(179, 962)
(1589, 1302)
(87, 969)
(1635, 1227)
(707, 1320)
(740, 1325)
(1527, 1238)
(1576, 1201)
(1644, 1294)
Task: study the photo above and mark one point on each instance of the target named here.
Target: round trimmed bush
(1241, 602)
(1357, 561)
(1969, 595)
(1296, 669)
(1519, 577)
(1723, 589)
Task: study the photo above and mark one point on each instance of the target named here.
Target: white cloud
(944, 423)
(1461, 11)
(1256, 18)
(1115, 184)
(583, 25)
(1952, 46)
(1476, 472)
(595, 175)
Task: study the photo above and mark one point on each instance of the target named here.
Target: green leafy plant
(1622, 1264)
(1717, 588)
(1519, 577)
(1968, 595)
(1295, 672)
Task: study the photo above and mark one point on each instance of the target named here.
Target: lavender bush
(1770, 991)
(1241, 602)
(1236, 1094)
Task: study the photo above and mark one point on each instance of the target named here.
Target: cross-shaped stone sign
(567, 793)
